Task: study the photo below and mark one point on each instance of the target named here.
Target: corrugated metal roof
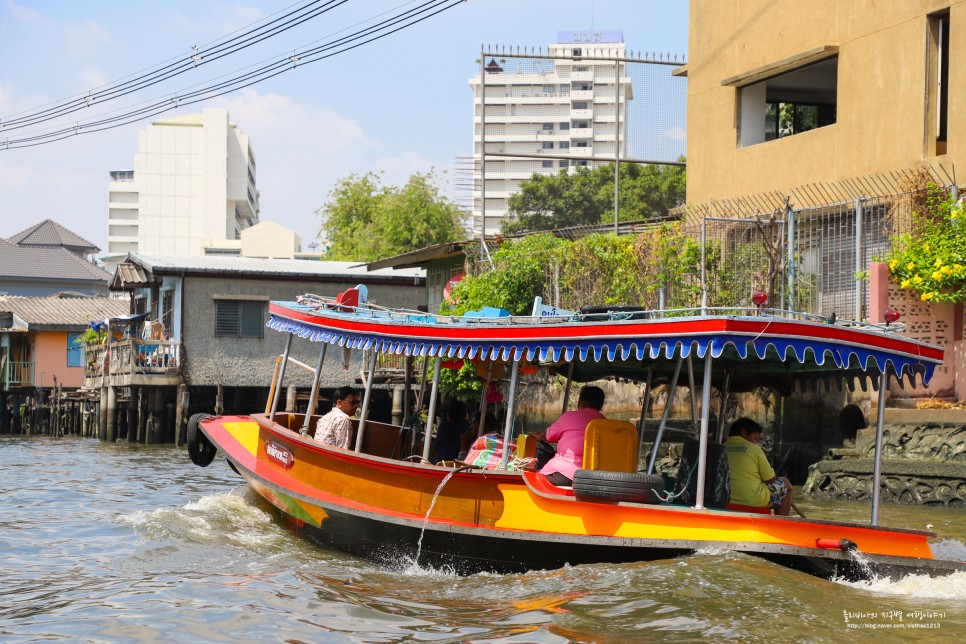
(66, 313)
(268, 267)
(50, 233)
(47, 263)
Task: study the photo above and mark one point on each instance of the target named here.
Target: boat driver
(335, 428)
(568, 433)
(753, 481)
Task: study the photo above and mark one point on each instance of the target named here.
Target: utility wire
(362, 37)
(197, 58)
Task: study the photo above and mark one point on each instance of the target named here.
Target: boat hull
(400, 513)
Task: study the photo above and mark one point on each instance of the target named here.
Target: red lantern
(759, 299)
(891, 315)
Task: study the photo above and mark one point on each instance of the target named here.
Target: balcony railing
(17, 374)
(129, 357)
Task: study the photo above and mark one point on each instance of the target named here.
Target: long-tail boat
(372, 501)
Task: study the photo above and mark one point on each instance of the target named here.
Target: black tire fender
(201, 451)
(618, 486)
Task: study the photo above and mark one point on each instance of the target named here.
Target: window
(547, 163)
(244, 319)
(576, 52)
(581, 164)
(937, 98)
(581, 124)
(565, 126)
(581, 68)
(547, 145)
(564, 145)
(564, 163)
(548, 126)
(167, 311)
(791, 103)
(548, 89)
(75, 352)
(580, 105)
(583, 87)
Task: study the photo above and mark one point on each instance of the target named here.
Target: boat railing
(617, 314)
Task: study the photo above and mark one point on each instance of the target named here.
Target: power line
(163, 71)
(380, 30)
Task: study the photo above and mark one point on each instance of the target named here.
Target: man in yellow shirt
(753, 481)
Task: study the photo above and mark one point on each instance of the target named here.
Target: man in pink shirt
(568, 433)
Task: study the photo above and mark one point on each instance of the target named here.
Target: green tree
(586, 197)
(364, 220)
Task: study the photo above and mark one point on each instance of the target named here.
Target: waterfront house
(46, 259)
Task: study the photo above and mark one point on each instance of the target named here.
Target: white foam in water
(921, 586)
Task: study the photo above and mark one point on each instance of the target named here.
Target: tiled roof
(50, 233)
(47, 263)
(62, 313)
(268, 267)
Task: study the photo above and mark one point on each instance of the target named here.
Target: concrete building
(783, 94)
(810, 100)
(192, 190)
(563, 110)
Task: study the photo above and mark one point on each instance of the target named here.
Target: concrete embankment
(923, 461)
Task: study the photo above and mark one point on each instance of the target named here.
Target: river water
(126, 543)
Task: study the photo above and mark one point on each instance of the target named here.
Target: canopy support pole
(281, 377)
(433, 394)
(667, 410)
(723, 407)
(407, 390)
(314, 396)
(510, 411)
(877, 467)
(694, 398)
(486, 392)
(703, 438)
(570, 380)
(366, 398)
(645, 404)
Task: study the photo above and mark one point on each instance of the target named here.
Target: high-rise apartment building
(541, 114)
(191, 192)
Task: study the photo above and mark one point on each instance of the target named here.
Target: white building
(548, 113)
(192, 190)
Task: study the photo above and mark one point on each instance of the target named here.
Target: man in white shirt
(335, 428)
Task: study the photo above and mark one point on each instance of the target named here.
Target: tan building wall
(885, 99)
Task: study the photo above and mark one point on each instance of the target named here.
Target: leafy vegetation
(931, 259)
(586, 197)
(364, 220)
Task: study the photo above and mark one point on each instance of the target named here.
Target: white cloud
(22, 14)
(397, 170)
(675, 134)
(82, 36)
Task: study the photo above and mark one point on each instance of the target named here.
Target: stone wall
(923, 461)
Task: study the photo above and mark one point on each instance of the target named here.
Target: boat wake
(214, 519)
(920, 586)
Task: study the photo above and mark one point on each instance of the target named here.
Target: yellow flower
(927, 296)
(939, 262)
(893, 264)
(911, 266)
(937, 276)
(917, 280)
(947, 270)
(925, 247)
(905, 283)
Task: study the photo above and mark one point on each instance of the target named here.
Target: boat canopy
(779, 351)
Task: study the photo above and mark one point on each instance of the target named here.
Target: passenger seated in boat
(449, 433)
(753, 481)
(486, 451)
(335, 428)
(568, 433)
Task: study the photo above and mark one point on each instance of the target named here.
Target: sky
(398, 105)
